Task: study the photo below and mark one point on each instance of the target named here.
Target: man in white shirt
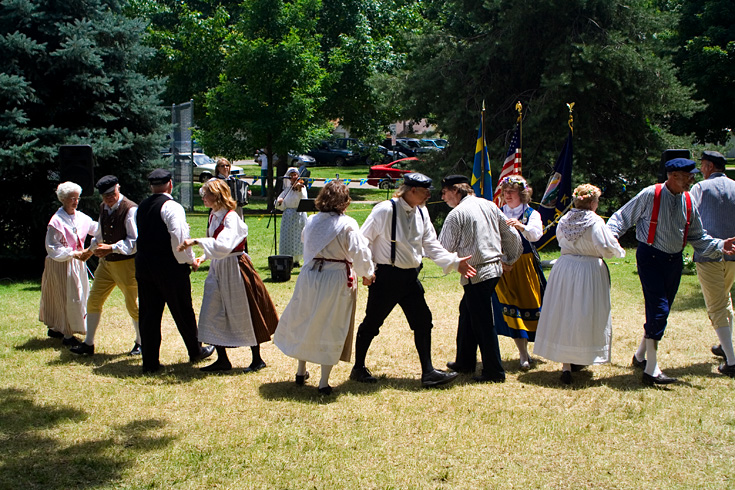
(397, 246)
(115, 245)
(163, 272)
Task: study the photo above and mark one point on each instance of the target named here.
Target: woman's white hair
(66, 188)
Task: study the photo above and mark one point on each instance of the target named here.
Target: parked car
(204, 168)
(436, 142)
(387, 156)
(385, 176)
(298, 160)
(417, 146)
(329, 153)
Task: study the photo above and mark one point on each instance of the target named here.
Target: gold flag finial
(519, 108)
(571, 117)
(483, 105)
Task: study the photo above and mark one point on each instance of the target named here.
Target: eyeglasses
(108, 194)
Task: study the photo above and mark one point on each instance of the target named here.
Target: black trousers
(172, 288)
(660, 274)
(394, 286)
(476, 328)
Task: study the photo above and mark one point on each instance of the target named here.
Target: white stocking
(93, 320)
(640, 354)
(725, 336)
(651, 363)
(136, 326)
(326, 370)
(301, 369)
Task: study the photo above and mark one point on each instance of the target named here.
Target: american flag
(512, 163)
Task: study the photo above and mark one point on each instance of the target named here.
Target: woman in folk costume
(576, 325)
(65, 283)
(236, 310)
(520, 291)
(292, 222)
(317, 324)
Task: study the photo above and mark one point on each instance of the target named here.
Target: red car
(385, 176)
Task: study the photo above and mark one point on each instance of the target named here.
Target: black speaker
(76, 164)
(670, 155)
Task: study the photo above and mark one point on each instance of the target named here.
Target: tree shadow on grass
(31, 459)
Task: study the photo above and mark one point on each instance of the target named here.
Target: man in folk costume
(476, 227)
(115, 245)
(714, 197)
(163, 272)
(400, 233)
(665, 220)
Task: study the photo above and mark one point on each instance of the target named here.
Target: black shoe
(458, 368)
(638, 364)
(82, 349)
(436, 378)
(661, 379)
(727, 370)
(566, 377)
(362, 375)
(152, 369)
(71, 342)
(488, 379)
(301, 379)
(327, 390)
(204, 352)
(54, 334)
(716, 350)
(135, 351)
(253, 367)
(217, 366)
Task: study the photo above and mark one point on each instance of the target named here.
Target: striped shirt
(715, 200)
(671, 223)
(477, 227)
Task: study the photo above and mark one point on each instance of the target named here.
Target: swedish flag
(482, 177)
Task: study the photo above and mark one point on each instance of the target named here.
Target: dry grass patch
(70, 422)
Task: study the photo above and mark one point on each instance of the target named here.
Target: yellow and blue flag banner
(482, 177)
(558, 195)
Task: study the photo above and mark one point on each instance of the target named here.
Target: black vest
(154, 241)
(113, 227)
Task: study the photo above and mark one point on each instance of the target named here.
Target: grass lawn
(70, 422)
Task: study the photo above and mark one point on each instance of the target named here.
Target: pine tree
(70, 76)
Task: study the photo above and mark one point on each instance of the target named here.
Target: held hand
(465, 268)
(185, 244)
(515, 224)
(367, 281)
(197, 262)
(103, 250)
(729, 247)
(506, 267)
(82, 255)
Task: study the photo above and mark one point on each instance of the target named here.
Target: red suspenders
(654, 215)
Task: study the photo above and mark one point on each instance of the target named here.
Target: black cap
(106, 184)
(159, 177)
(416, 179)
(682, 165)
(717, 158)
(451, 180)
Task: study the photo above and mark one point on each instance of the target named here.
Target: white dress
(317, 324)
(225, 318)
(292, 222)
(65, 281)
(575, 324)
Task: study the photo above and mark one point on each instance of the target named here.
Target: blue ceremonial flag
(558, 195)
(482, 177)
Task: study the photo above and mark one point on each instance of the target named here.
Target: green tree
(270, 91)
(604, 55)
(706, 57)
(70, 76)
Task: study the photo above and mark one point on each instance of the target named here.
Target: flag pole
(482, 123)
(519, 108)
